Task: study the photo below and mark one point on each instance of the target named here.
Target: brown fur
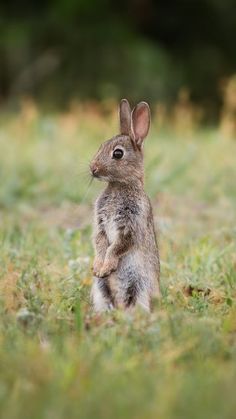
(126, 267)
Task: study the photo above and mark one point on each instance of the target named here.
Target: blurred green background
(56, 50)
(64, 65)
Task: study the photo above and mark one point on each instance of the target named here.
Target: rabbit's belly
(133, 259)
(132, 267)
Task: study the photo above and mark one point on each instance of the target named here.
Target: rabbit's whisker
(88, 187)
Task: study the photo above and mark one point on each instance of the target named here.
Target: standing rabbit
(126, 267)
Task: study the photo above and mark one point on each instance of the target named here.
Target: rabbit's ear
(140, 122)
(125, 117)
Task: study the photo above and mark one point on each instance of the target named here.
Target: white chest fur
(111, 230)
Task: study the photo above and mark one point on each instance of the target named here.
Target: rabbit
(126, 266)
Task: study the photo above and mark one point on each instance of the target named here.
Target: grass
(57, 359)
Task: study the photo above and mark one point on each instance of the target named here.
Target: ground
(59, 360)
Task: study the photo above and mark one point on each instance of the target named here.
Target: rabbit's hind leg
(130, 295)
(136, 297)
(102, 299)
(134, 291)
(143, 301)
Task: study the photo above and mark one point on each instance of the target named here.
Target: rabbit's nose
(94, 170)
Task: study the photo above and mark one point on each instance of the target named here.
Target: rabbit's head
(120, 159)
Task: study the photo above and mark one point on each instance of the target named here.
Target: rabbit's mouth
(102, 178)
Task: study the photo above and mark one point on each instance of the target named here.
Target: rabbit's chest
(109, 223)
(111, 229)
(107, 219)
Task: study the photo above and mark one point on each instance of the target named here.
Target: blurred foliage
(54, 50)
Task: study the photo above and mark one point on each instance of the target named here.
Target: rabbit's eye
(117, 154)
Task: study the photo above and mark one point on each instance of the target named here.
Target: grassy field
(57, 359)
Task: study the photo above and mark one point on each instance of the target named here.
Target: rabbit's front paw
(97, 266)
(108, 267)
